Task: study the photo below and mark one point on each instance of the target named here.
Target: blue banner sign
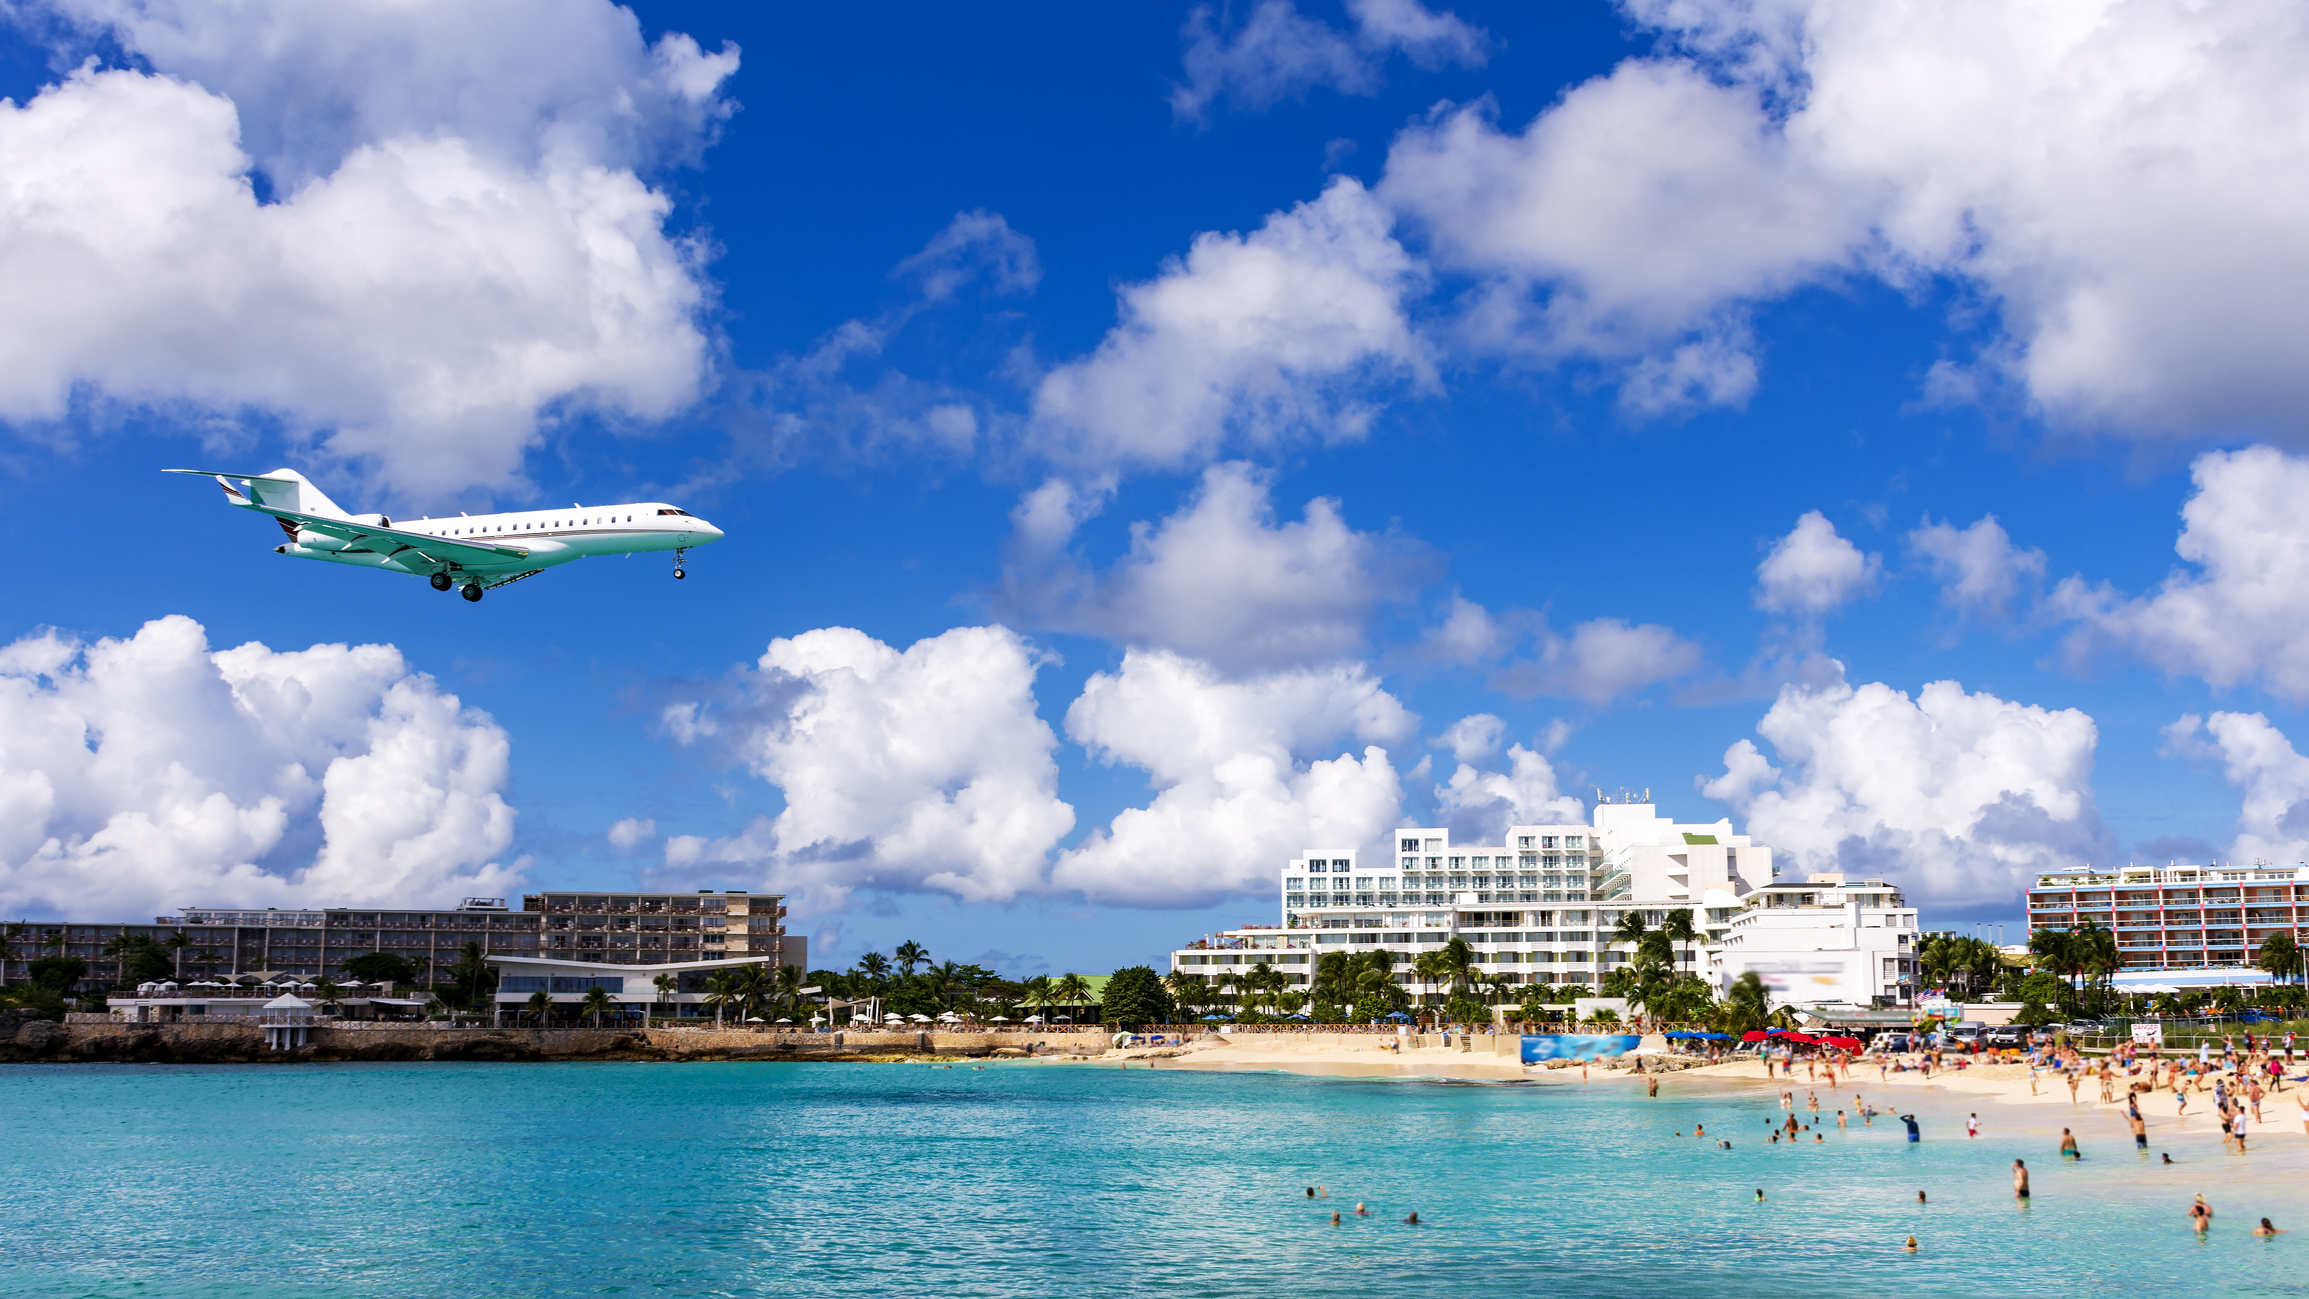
(1539, 1048)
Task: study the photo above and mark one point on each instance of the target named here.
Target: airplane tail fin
(282, 489)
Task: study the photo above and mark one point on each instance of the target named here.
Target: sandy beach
(2001, 1094)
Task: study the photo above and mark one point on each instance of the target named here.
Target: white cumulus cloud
(1278, 53)
(2118, 181)
(1956, 797)
(1238, 766)
(1813, 570)
(1219, 580)
(1256, 339)
(625, 835)
(456, 235)
(1979, 569)
(145, 774)
(2240, 613)
(924, 769)
(1479, 805)
(1603, 659)
(2273, 823)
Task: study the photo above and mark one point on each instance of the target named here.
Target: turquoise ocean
(1024, 1179)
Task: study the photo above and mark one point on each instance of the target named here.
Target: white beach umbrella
(785, 1021)
(999, 1019)
(919, 1019)
(1034, 1019)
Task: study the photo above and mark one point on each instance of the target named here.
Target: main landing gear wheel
(441, 582)
(472, 590)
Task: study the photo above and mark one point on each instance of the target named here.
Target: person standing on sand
(2019, 1180)
(2072, 1082)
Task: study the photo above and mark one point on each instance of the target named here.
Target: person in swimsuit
(2266, 1229)
(2068, 1148)
(2140, 1132)
(1910, 1120)
(1972, 1125)
(2201, 1215)
(2019, 1180)
(1911, 1244)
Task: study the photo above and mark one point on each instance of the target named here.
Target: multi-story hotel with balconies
(1537, 908)
(604, 928)
(2177, 917)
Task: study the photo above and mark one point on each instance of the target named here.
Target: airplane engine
(378, 520)
(311, 540)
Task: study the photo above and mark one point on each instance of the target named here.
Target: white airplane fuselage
(472, 553)
(550, 536)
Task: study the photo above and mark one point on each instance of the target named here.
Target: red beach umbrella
(1755, 1035)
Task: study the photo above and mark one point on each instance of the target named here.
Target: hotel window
(1455, 862)
(1410, 845)
(1411, 863)
(1523, 842)
(1295, 884)
(1386, 881)
(1435, 863)
(1435, 845)
(1459, 881)
(1362, 881)
(1547, 842)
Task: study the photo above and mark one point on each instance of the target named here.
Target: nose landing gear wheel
(680, 555)
(441, 582)
(679, 575)
(472, 590)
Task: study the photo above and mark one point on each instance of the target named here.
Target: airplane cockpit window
(683, 513)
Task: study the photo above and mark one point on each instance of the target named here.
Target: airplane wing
(393, 541)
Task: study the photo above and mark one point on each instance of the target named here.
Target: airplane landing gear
(441, 582)
(472, 590)
(679, 551)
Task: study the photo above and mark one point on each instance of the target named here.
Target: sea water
(1037, 1179)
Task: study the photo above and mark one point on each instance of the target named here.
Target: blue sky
(1327, 417)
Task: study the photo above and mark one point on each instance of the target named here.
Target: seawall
(44, 1042)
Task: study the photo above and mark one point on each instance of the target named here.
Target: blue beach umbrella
(1396, 1014)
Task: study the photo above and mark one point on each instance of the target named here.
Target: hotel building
(1823, 940)
(610, 928)
(2177, 917)
(1538, 907)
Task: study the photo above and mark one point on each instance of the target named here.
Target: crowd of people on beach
(2239, 1074)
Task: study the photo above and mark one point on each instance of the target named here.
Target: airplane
(473, 553)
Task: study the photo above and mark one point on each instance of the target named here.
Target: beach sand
(2000, 1093)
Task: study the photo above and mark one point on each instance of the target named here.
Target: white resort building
(1537, 908)
(1825, 940)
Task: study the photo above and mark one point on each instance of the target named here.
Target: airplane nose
(709, 531)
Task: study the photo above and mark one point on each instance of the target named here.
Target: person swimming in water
(1920, 1197)
(2019, 1180)
(2167, 1154)
(1412, 1219)
(2201, 1215)
(1334, 1218)
(2267, 1229)
(1759, 1195)
(1360, 1211)
(1911, 1244)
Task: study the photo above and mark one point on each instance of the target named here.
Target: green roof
(1699, 838)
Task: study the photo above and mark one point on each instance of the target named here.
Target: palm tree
(208, 957)
(1186, 991)
(597, 1003)
(789, 987)
(1036, 995)
(1746, 1007)
(1071, 992)
(1431, 969)
(910, 954)
(721, 991)
(753, 989)
(541, 1005)
(177, 942)
(472, 969)
(667, 985)
(1458, 962)
(876, 968)
(2280, 956)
